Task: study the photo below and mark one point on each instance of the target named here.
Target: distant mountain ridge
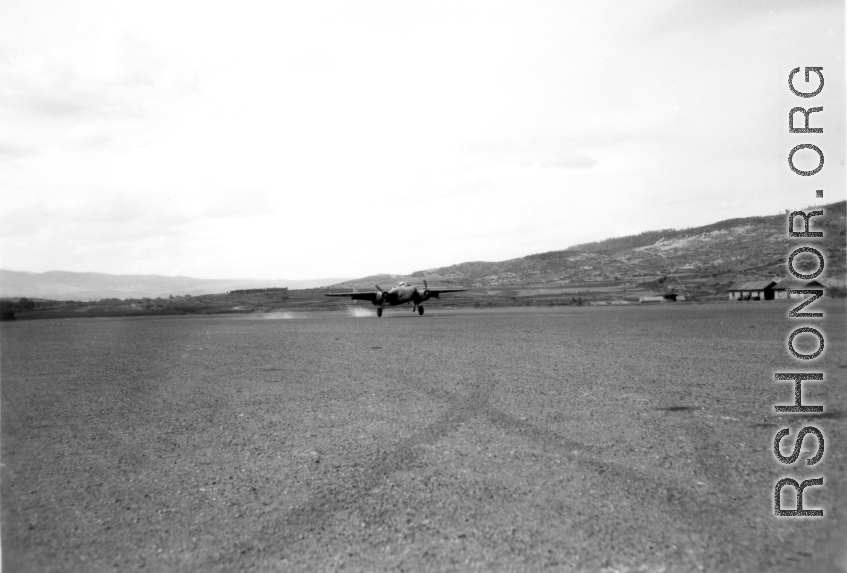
(709, 258)
(757, 246)
(724, 251)
(67, 285)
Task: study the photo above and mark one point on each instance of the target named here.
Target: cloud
(469, 186)
(162, 211)
(570, 161)
(9, 151)
(622, 128)
(130, 214)
(682, 17)
(97, 76)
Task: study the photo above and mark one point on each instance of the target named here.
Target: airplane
(401, 294)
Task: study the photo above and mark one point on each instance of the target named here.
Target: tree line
(8, 308)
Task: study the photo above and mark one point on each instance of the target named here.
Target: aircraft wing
(367, 295)
(434, 292)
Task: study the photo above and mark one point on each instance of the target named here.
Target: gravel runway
(557, 439)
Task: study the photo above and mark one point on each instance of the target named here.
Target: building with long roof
(760, 289)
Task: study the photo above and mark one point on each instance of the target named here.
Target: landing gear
(378, 312)
(420, 310)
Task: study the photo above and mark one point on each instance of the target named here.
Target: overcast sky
(340, 139)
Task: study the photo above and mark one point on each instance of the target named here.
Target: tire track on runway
(652, 491)
(310, 518)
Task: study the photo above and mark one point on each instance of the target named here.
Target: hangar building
(762, 289)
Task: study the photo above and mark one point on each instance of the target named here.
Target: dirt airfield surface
(564, 439)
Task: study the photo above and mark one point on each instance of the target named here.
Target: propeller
(426, 290)
(382, 293)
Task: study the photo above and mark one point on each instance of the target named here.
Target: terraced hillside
(715, 255)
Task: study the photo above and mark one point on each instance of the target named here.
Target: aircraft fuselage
(403, 294)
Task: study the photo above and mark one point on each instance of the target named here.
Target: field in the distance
(616, 439)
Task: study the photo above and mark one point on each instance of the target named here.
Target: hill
(699, 263)
(702, 262)
(707, 259)
(65, 285)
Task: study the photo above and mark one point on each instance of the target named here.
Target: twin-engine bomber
(401, 294)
